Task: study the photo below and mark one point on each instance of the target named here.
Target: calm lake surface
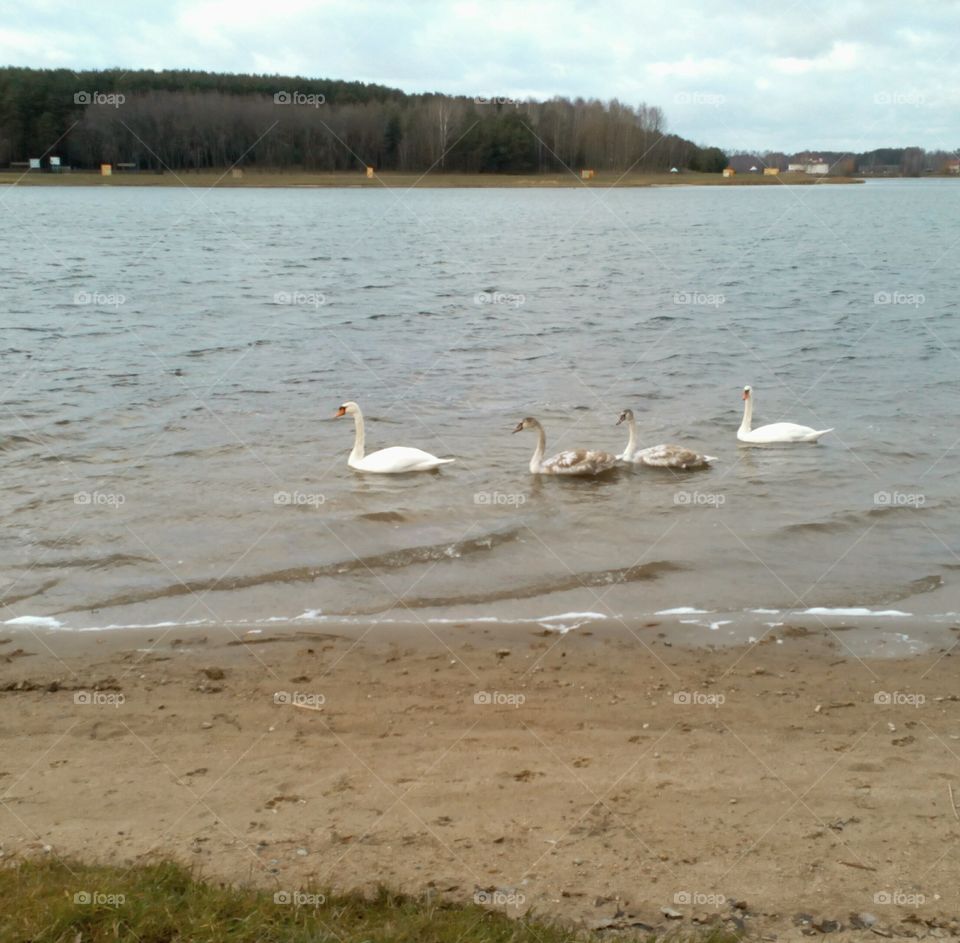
(171, 360)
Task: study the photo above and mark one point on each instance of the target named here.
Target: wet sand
(596, 779)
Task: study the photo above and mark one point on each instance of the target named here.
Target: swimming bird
(392, 461)
(659, 456)
(776, 431)
(570, 462)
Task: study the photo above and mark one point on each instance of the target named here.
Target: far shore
(432, 179)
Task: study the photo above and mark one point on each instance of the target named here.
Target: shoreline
(586, 773)
(430, 180)
(856, 633)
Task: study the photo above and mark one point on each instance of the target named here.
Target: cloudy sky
(845, 75)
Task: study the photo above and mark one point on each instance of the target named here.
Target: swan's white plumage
(659, 456)
(775, 431)
(390, 461)
(569, 462)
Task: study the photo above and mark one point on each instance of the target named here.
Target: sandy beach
(595, 779)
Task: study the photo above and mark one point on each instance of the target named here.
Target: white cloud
(788, 77)
(690, 68)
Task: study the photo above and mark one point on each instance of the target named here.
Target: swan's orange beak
(340, 412)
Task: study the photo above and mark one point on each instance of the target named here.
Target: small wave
(926, 584)
(833, 524)
(15, 441)
(203, 351)
(680, 611)
(91, 563)
(894, 509)
(392, 560)
(35, 591)
(388, 517)
(630, 574)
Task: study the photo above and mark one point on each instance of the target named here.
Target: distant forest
(185, 120)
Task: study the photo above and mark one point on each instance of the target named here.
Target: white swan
(570, 462)
(659, 456)
(776, 431)
(391, 461)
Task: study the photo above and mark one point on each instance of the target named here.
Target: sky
(759, 75)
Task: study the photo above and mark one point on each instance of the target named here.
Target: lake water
(172, 359)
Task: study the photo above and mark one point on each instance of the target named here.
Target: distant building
(729, 172)
(771, 171)
(816, 167)
(952, 166)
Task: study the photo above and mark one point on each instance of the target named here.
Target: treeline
(184, 120)
(882, 162)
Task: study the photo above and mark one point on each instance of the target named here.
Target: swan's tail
(816, 435)
(445, 461)
(710, 458)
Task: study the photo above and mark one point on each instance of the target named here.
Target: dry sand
(609, 775)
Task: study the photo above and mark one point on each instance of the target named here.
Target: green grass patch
(65, 902)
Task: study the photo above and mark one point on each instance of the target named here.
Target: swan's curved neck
(747, 423)
(358, 445)
(539, 450)
(631, 439)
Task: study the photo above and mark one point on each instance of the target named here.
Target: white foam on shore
(439, 621)
(572, 615)
(45, 622)
(314, 615)
(764, 612)
(853, 611)
(142, 625)
(681, 611)
(566, 621)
